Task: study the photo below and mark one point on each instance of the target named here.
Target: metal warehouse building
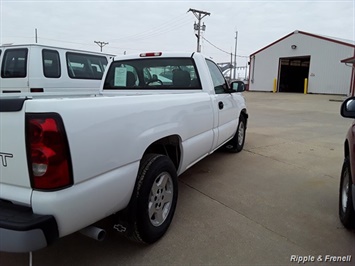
(300, 60)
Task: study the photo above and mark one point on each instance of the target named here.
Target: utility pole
(231, 68)
(235, 54)
(101, 44)
(197, 26)
(36, 35)
(246, 69)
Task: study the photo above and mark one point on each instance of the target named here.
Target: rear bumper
(23, 231)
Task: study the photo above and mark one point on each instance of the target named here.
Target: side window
(85, 66)
(132, 76)
(51, 63)
(98, 65)
(14, 63)
(146, 74)
(219, 82)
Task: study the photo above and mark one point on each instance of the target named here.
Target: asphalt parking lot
(276, 199)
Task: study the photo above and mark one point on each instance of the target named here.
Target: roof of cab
(51, 47)
(154, 54)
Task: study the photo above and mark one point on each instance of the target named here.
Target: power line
(84, 44)
(152, 34)
(48, 39)
(216, 46)
(162, 28)
(229, 53)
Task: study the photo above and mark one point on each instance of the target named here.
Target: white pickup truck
(67, 162)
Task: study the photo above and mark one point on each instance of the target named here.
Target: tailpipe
(94, 232)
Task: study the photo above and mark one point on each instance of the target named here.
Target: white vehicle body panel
(108, 135)
(35, 77)
(88, 201)
(13, 185)
(185, 115)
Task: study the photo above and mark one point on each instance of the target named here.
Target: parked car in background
(347, 180)
(34, 68)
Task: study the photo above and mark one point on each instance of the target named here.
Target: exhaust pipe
(94, 232)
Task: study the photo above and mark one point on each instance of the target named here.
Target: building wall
(326, 73)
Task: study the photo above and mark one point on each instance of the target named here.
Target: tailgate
(14, 178)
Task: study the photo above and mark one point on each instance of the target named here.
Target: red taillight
(48, 152)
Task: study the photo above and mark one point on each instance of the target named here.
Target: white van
(34, 68)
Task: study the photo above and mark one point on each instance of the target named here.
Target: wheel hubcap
(160, 199)
(241, 133)
(345, 190)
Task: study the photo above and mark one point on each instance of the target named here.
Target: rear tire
(153, 202)
(346, 208)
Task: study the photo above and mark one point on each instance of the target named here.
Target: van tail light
(48, 154)
(36, 90)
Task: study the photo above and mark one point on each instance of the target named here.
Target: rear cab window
(85, 66)
(14, 63)
(157, 73)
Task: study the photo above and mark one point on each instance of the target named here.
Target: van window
(14, 63)
(85, 66)
(51, 63)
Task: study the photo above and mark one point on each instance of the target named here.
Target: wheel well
(346, 149)
(245, 115)
(169, 146)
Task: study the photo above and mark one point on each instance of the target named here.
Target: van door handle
(220, 105)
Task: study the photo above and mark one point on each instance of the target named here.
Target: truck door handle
(220, 105)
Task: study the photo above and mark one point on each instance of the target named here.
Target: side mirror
(347, 108)
(238, 86)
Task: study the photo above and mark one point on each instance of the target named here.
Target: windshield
(154, 73)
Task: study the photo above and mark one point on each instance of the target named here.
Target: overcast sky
(142, 26)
